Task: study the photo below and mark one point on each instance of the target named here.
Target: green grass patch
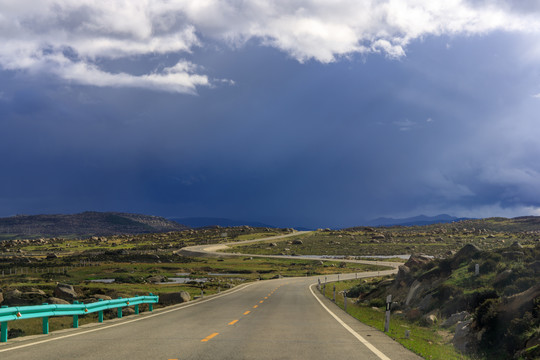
(428, 342)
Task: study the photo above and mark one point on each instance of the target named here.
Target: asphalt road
(275, 319)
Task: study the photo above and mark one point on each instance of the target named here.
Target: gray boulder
(174, 298)
(127, 311)
(55, 300)
(463, 337)
(429, 320)
(297, 242)
(65, 291)
(455, 318)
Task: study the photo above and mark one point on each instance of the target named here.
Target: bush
(478, 297)
(358, 290)
(377, 302)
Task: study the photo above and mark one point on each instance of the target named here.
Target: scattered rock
(455, 318)
(463, 337)
(55, 300)
(101, 297)
(1, 297)
(273, 244)
(156, 279)
(65, 291)
(466, 253)
(429, 320)
(297, 242)
(403, 273)
(128, 311)
(174, 298)
(426, 303)
(413, 314)
(416, 261)
(52, 256)
(516, 245)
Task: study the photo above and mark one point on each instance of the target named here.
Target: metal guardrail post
(150, 305)
(120, 310)
(45, 323)
(3, 329)
(75, 318)
(100, 313)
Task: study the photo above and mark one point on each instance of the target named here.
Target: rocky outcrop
(466, 253)
(464, 337)
(16, 297)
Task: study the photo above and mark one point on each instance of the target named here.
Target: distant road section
(216, 250)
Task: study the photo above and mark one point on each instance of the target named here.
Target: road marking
(247, 312)
(233, 322)
(260, 302)
(266, 297)
(349, 329)
(255, 306)
(209, 337)
(143, 317)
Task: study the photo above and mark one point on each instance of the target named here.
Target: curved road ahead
(274, 319)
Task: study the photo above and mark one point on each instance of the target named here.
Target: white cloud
(36, 35)
(405, 124)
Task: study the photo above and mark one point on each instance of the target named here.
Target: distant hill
(197, 222)
(415, 221)
(84, 224)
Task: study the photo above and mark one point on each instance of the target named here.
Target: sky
(310, 113)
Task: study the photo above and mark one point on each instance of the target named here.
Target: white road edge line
(349, 329)
(128, 322)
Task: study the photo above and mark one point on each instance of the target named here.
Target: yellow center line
(256, 306)
(260, 302)
(266, 297)
(209, 337)
(247, 312)
(233, 322)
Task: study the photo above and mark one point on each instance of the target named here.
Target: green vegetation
(428, 342)
(139, 265)
(435, 240)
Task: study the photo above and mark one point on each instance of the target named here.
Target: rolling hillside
(83, 224)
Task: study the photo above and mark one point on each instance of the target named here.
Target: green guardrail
(45, 311)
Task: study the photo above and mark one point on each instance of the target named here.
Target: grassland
(434, 240)
(428, 342)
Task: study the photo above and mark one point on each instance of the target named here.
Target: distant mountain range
(197, 222)
(415, 221)
(84, 224)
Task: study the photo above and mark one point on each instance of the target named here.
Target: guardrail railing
(45, 311)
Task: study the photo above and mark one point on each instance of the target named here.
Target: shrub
(358, 290)
(377, 302)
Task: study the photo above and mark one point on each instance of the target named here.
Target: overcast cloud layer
(311, 113)
(69, 38)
